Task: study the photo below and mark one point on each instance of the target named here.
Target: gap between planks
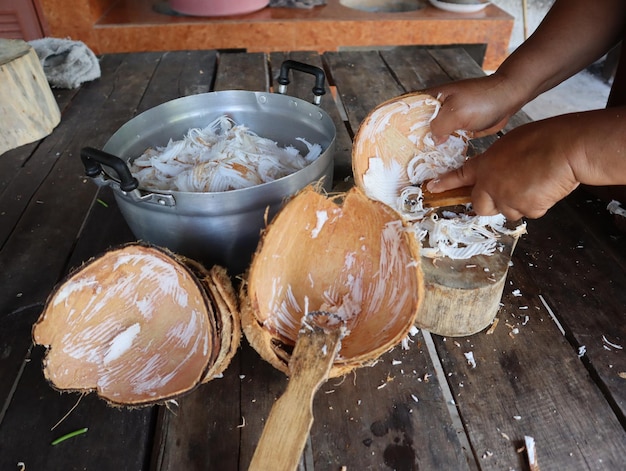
(457, 423)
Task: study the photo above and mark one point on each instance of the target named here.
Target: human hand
(481, 106)
(524, 173)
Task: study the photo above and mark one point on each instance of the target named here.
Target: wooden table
(553, 368)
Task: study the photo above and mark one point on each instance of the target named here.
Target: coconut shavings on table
(222, 156)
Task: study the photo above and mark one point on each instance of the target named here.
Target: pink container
(217, 7)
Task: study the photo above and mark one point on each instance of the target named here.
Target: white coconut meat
(395, 153)
(222, 156)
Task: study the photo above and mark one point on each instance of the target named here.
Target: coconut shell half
(389, 137)
(348, 256)
(462, 295)
(139, 325)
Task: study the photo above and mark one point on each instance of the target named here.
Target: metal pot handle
(283, 78)
(93, 159)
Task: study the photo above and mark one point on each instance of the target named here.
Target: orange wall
(73, 18)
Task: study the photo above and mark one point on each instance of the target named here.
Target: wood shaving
(531, 452)
(611, 344)
(494, 324)
(469, 356)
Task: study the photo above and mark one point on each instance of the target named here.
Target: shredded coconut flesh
(396, 154)
(222, 156)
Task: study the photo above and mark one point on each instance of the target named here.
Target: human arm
(534, 166)
(573, 34)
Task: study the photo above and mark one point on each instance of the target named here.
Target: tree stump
(28, 110)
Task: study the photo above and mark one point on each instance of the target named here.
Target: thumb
(442, 126)
(462, 176)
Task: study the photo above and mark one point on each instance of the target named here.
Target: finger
(483, 204)
(534, 213)
(444, 124)
(462, 176)
(511, 214)
(493, 129)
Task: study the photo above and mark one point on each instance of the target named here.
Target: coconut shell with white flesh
(348, 256)
(139, 325)
(394, 153)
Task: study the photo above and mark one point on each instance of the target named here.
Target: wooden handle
(452, 197)
(287, 427)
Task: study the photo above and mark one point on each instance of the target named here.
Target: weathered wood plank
(415, 68)
(241, 71)
(402, 444)
(179, 74)
(48, 226)
(117, 439)
(575, 255)
(517, 388)
(201, 430)
(36, 256)
(204, 431)
(15, 345)
(262, 385)
(363, 81)
(301, 87)
(456, 62)
(391, 415)
(12, 164)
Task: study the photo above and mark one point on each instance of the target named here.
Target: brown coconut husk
(138, 325)
(347, 255)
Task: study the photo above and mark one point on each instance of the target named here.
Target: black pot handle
(93, 159)
(283, 78)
